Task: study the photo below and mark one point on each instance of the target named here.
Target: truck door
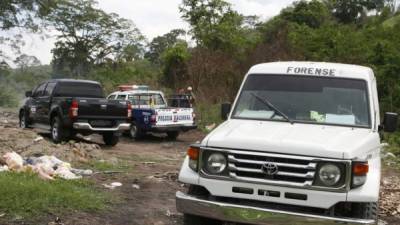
(44, 103)
(34, 107)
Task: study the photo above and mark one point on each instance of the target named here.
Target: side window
(39, 91)
(121, 97)
(111, 97)
(134, 99)
(49, 89)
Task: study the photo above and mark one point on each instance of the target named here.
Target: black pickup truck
(66, 107)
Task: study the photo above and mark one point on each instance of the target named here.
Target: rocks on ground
(28, 143)
(390, 196)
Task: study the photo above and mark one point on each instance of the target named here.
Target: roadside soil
(147, 196)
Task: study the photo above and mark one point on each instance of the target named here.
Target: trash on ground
(4, 168)
(211, 127)
(40, 138)
(112, 185)
(136, 186)
(46, 167)
(149, 163)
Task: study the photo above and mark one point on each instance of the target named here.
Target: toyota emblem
(270, 168)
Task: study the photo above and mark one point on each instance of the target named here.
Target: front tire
(58, 133)
(369, 210)
(110, 139)
(23, 121)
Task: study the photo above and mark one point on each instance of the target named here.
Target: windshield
(79, 89)
(336, 101)
(146, 99)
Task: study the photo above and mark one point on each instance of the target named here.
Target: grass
(393, 141)
(207, 115)
(25, 195)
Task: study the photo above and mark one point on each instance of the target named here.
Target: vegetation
(25, 195)
(93, 44)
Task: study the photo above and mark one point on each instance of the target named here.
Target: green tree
(175, 65)
(25, 15)
(161, 43)
(89, 36)
(350, 11)
(214, 24)
(311, 13)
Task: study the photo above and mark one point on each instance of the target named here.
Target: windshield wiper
(270, 105)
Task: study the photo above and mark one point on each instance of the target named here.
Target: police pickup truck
(67, 107)
(150, 112)
(301, 145)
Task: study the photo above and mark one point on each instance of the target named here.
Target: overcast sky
(156, 17)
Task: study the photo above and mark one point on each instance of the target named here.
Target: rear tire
(173, 135)
(58, 133)
(110, 139)
(135, 132)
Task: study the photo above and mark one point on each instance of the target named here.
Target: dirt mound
(29, 143)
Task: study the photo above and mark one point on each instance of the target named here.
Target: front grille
(291, 170)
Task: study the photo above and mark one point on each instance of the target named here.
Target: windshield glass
(322, 100)
(79, 89)
(146, 99)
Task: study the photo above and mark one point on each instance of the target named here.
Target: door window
(39, 91)
(121, 97)
(49, 89)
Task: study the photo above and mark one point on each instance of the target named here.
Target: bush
(8, 96)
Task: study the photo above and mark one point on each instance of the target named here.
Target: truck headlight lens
(216, 163)
(329, 174)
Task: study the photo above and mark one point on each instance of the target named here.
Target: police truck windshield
(304, 99)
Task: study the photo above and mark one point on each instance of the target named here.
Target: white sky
(154, 18)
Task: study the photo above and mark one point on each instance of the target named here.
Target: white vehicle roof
(314, 68)
(133, 92)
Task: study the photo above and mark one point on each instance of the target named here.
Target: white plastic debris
(65, 173)
(40, 138)
(211, 127)
(136, 186)
(4, 168)
(112, 185)
(82, 172)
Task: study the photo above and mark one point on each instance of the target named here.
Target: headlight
(329, 174)
(216, 163)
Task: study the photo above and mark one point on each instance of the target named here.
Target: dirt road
(155, 163)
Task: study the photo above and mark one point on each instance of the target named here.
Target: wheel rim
(54, 131)
(133, 131)
(22, 122)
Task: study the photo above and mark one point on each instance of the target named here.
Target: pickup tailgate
(174, 116)
(97, 108)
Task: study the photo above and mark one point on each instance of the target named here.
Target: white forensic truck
(301, 145)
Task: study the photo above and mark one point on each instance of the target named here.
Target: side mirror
(225, 110)
(390, 122)
(28, 94)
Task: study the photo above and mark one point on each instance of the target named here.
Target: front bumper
(87, 126)
(254, 215)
